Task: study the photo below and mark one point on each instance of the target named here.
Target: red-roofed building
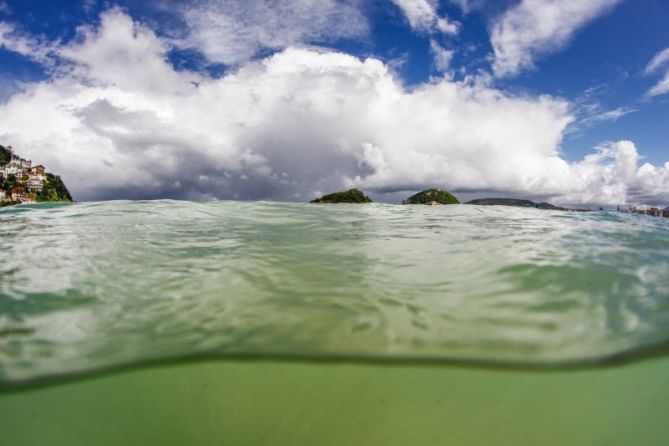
(20, 194)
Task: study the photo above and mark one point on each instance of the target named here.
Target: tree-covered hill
(515, 203)
(432, 196)
(54, 190)
(349, 196)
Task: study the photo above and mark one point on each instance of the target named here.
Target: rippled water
(91, 286)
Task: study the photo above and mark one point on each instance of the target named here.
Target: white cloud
(536, 27)
(233, 31)
(662, 87)
(422, 16)
(12, 39)
(442, 56)
(125, 55)
(292, 125)
(592, 113)
(468, 5)
(612, 176)
(660, 61)
(589, 108)
(611, 115)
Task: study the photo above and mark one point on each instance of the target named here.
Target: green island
(428, 197)
(515, 203)
(349, 196)
(432, 197)
(21, 182)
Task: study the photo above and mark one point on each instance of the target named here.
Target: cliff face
(21, 182)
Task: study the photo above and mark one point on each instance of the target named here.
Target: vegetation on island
(349, 196)
(5, 155)
(432, 197)
(515, 203)
(54, 190)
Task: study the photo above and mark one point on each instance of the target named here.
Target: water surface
(92, 286)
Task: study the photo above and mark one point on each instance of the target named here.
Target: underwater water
(296, 403)
(331, 324)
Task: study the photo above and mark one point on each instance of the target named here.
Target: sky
(558, 100)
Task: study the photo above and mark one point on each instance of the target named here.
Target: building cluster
(653, 212)
(26, 180)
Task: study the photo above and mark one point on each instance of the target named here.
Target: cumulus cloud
(535, 27)
(295, 124)
(613, 175)
(659, 62)
(233, 31)
(125, 55)
(422, 16)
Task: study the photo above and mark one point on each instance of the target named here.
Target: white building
(12, 169)
(20, 163)
(37, 173)
(35, 184)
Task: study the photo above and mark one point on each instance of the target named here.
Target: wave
(94, 286)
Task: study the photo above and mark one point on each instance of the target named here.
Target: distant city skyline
(562, 100)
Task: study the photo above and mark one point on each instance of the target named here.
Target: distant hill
(431, 197)
(515, 203)
(349, 196)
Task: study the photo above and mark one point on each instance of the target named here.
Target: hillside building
(37, 172)
(35, 184)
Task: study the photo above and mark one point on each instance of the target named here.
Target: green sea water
(266, 323)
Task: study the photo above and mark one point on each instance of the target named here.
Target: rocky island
(432, 197)
(515, 203)
(21, 182)
(349, 196)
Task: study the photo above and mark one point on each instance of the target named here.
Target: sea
(252, 323)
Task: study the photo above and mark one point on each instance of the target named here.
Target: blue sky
(583, 69)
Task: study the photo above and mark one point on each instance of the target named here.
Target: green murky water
(274, 403)
(456, 325)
